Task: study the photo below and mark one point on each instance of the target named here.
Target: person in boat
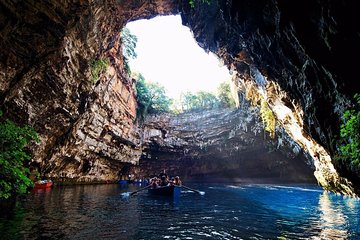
(177, 181)
(172, 181)
(163, 173)
(153, 182)
(164, 181)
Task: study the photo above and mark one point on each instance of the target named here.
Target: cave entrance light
(167, 53)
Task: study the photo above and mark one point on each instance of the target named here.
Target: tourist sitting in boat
(177, 181)
(154, 182)
(164, 181)
(163, 173)
(172, 181)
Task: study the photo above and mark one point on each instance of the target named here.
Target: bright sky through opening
(168, 54)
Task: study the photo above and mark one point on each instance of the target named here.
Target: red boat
(43, 184)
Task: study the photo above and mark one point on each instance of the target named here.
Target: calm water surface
(224, 212)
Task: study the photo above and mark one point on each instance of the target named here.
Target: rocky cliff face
(295, 56)
(50, 79)
(292, 54)
(220, 145)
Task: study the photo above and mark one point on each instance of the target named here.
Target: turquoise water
(224, 212)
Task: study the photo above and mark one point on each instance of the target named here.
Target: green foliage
(268, 118)
(266, 114)
(350, 135)
(205, 100)
(128, 44)
(98, 66)
(13, 174)
(224, 95)
(192, 2)
(151, 97)
(200, 100)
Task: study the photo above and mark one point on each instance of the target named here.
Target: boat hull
(170, 191)
(133, 181)
(43, 185)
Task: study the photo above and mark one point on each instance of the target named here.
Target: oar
(194, 190)
(140, 190)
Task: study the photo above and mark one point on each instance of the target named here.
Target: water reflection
(332, 220)
(79, 212)
(246, 212)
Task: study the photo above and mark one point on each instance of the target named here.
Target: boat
(139, 181)
(43, 184)
(123, 181)
(133, 181)
(170, 191)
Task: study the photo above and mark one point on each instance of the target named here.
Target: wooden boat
(138, 181)
(123, 181)
(170, 191)
(133, 181)
(43, 184)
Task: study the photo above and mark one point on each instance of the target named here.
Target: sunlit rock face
(220, 145)
(85, 120)
(296, 56)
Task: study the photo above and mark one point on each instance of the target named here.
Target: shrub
(266, 114)
(13, 174)
(350, 135)
(98, 66)
(192, 2)
(268, 118)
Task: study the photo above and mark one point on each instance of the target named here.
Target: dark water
(224, 212)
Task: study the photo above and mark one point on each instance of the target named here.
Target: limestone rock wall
(85, 119)
(220, 145)
(296, 56)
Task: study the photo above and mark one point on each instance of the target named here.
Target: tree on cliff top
(199, 100)
(13, 174)
(206, 100)
(128, 43)
(224, 94)
(151, 97)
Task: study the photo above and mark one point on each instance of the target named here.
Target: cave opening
(222, 142)
(164, 51)
(70, 84)
(62, 72)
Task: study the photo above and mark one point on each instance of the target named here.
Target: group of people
(164, 180)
